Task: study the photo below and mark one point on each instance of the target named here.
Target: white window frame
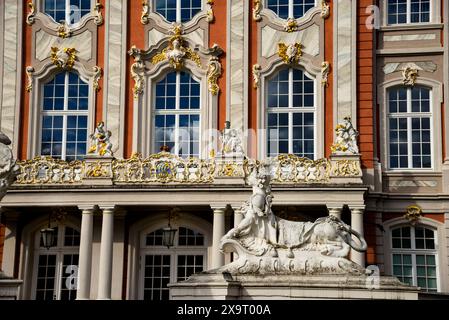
(64, 113)
(59, 250)
(409, 116)
(435, 15)
(291, 110)
(176, 112)
(290, 9)
(414, 252)
(178, 11)
(173, 252)
(67, 12)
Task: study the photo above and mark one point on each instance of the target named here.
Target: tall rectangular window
(177, 115)
(64, 117)
(291, 114)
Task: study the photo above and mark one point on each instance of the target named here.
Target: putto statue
(8, 167)
(346, 140)
(267, 244)
(231, 144)
(100, 144)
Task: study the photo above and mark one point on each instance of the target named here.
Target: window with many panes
(408, 11)
(162, 266)
(64, 117)
(177, 114)
(291, 114)
(178, 10)
(70, 11)
(410, 128)
(290, 8)
(414, 256)
(56, 269)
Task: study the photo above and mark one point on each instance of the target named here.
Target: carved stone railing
(166, 168)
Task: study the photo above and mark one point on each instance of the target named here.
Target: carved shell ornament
(410, 76)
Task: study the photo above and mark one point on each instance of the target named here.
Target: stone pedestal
(98, 171)
(9, 288)
(209, 286)
(345, 169)
(229, 169)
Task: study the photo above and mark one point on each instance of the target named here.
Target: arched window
(409, 11)
(410, 128)
(414, 256)
(291, 114)
(70, 11)
(177, 114)
(56, 269)
(290, 8)
(178, 10)
(64, 117)
(161, 266)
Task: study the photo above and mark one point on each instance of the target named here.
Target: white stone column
(105, 270)
(218, 233)
(85, 254)
(357, 225)
(335, 211)
(238, 216)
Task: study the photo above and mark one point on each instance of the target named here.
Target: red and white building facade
(161, 73)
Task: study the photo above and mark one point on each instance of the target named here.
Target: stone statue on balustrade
(267, 244)
(100, 144)
(231, 143)
(346, 138)
(8, 167)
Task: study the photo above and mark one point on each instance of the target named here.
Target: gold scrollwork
(210, 11)
(413, 213)
(176, 51)
(290, 168)
(96, 79)
(346, 168)
(98, 20)
(213, 73)
(325, 9)
(257, 9)
(145, 18)
(290, 53)
(96, 170)
(63, 31)
(256, 76)
(29, 72)
(325, 69)
(31, 14)
(291, 25)
(231, 169)
(63, 58)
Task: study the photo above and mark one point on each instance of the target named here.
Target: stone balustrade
(166, 168)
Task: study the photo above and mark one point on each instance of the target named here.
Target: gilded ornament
(31, 14)
(346, 168)
(98, 20)
(325, 69)
(213, 73)
(409, 76)
(97, 75)
(145, 18)
(29, 72)
(100, 141)
(63, 58)
(210, 11)
(96, 170)
(257, 9)
(346, 138)
(290, 53)
(325, 9)
(291, 25)
(256, 76)
(413, 214)
(63, 31)
(137, 71)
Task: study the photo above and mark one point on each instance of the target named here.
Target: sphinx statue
(267, 244)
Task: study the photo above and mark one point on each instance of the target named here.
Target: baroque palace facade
(128, 116)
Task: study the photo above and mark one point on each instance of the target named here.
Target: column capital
(357, 210)
(108, 209)
(219, 208)
(87, 209)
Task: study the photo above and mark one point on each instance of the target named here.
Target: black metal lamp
(48, 235)
(168, 234)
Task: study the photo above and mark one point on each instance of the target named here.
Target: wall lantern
(168, 234)
(48, 235)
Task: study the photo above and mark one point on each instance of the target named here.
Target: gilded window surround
(205, 68)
